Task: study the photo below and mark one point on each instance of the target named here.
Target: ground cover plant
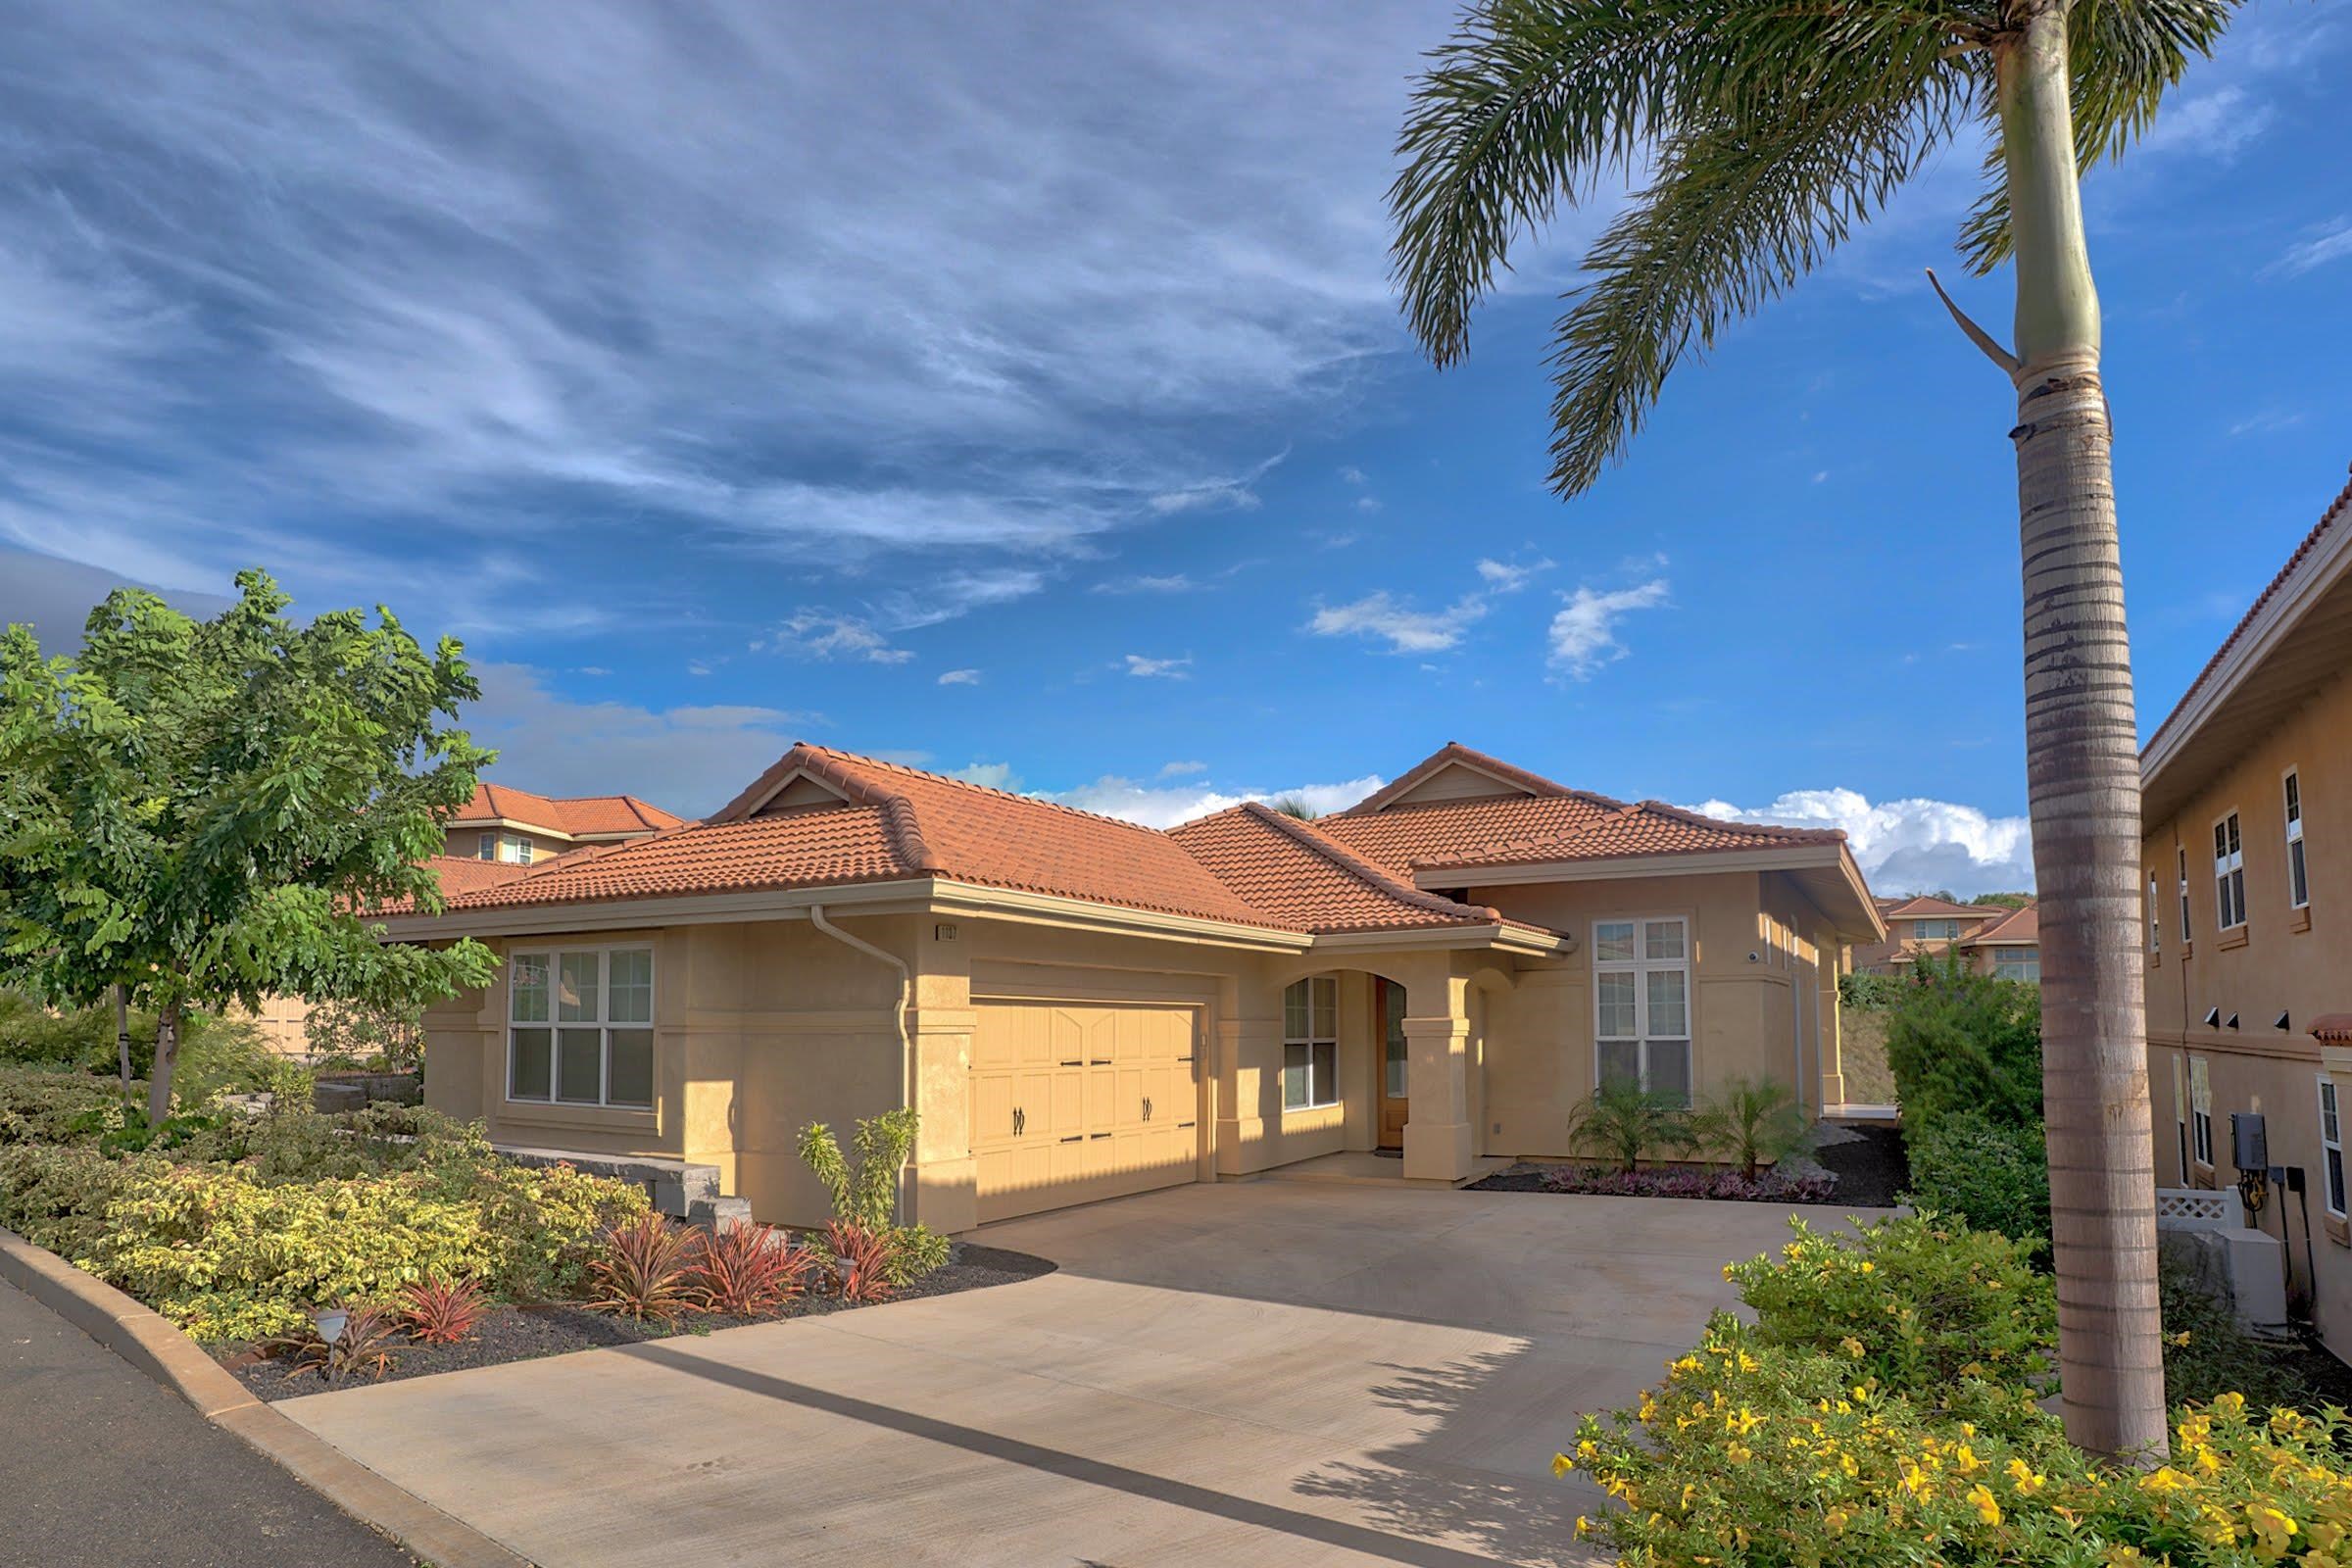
(1886, 1406)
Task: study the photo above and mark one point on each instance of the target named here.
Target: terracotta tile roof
(2018, 927)
(2338, 515)
(1913, 908)
(895, 823)
(1517, 830)
(1294, 872)
(1449, 755)
(576, 815)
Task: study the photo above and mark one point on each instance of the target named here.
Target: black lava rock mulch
(527, 1333)
(1870, 1166)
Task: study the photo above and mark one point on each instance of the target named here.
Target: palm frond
(1735, 216)
(2125, 56)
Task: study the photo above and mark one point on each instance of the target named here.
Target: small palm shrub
(746, 1270)
(1751, 1124)
(860, 1261)
(435, 1311)
(644, 1270)
(1625, 1122)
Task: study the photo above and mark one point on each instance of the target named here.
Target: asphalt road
(99, 1465)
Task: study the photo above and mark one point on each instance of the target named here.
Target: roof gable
(1455, 772)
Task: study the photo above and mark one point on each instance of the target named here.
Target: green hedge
(1993, 1175)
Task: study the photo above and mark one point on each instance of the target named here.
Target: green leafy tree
(1961, 1042)
(1763, 135)
(205, 813)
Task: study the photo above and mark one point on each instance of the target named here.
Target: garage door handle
(1184, 1058)
(1102, 1062)
(1019, 1118)
(1102, 1135)
(1075, 1138)
(1080, 1062)
(1147, 1109)
(1181, 1125)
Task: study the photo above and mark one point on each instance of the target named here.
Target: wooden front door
(1387, 1013)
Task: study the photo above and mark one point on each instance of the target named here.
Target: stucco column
(1249, 1034)
(941, 1182)
(1830, 1033)
(1438, 1139)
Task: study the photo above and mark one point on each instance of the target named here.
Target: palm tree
(1763, 131)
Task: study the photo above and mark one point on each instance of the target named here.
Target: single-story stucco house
(1081, 1007)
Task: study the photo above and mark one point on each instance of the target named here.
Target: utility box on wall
(2249, 1141)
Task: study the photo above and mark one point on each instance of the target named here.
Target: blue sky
(1027, 398)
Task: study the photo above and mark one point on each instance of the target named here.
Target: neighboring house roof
(579, 816)
(465, 874)
(2019, 928)
(1924, 907)
(2288, 644)
(881, 821)
(1294, 872)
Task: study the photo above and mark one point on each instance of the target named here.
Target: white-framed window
(512, 848)
(2017, 963)
(2155, 919)
(2200, 1112)
(2298, 883)
(1642, 1003)
(2331, 1148)
(1935, 930)
(1310, 1042)
(2228, 874)
(581, 1027)
(2181, 850)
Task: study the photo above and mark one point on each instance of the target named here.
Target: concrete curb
(150, 1341)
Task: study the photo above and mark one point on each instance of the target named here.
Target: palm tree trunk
(2082, 768)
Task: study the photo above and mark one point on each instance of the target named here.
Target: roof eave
(1859, 921)
(1502, 937)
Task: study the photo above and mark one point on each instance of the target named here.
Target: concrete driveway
(1270, 1372)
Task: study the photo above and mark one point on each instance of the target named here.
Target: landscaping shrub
(1751, 1124)
(82, 1040)
(1960, 1041)
(48, 1105)
(861, 1260)
(1872, 993)
(2207, 1353)
(1884, 1408)
(362, 1345)
(435, 1311)
(1625, 1122)
(1772, 1187)
(57, 1197)
(643, 1270)
(1993, 1175)
(863, 1188)
(745, 1270)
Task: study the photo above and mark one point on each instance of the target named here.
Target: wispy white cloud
(959, 677)
(1383, 617)
(1182, 769)
(2332, 241)
(824, 634)
(1159, 669)
(1909, 846)
(1584, 633)
(1175, 583)
(1509, 576)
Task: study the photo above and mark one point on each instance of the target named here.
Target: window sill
(2299, 919)
(2339, 1230)
(2155, 960)
(2201, 1175)
(582, 1118)
(2188, 950)
(2236, 937)
(1309, 1110)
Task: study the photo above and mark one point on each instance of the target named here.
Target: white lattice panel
(2192, 1208)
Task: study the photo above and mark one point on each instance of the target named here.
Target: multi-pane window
(2155, 921)
(2181, 1111)
(512, 848)
(2017, 963)
(2200, 1111)
(581, 1027)
(2331, 1146)
(1310, 1042)
(2182, 850)
(1935, 930)
(1642, 1003)
(2229, 873)
(2298, 884)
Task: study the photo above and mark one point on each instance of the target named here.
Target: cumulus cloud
(1908, 846)
(1165, 806)
(1584, 634)
(1159, 669)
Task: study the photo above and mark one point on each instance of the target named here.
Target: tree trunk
(2082, 770)
(122, 1035)
(166, 1057)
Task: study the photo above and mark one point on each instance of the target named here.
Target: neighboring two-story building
(1992, 937)
(2246, 865)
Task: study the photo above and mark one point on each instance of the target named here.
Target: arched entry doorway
(1393, 1078)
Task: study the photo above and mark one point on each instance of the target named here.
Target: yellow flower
(1727, 1270)
(1837, 1519)
(1584, 1526)
(2162, 1479)
(1561, 1464)
(1861, 1393)
(2229, 1403)
(1868, 1268)
(1982, 1500)
(2026, 1478)
(2182, 1338)
(1851, 1347)
(1739, 1453)
(2271, 1526)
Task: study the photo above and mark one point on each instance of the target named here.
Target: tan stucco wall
(762, 1027)
(2280, 961)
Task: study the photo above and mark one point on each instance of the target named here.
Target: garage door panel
(1103, 1105)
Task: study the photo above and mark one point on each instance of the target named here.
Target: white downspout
(816, 917)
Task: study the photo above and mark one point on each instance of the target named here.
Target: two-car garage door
(1075, 1101)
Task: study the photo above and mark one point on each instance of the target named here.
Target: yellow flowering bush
(1763, 1446)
